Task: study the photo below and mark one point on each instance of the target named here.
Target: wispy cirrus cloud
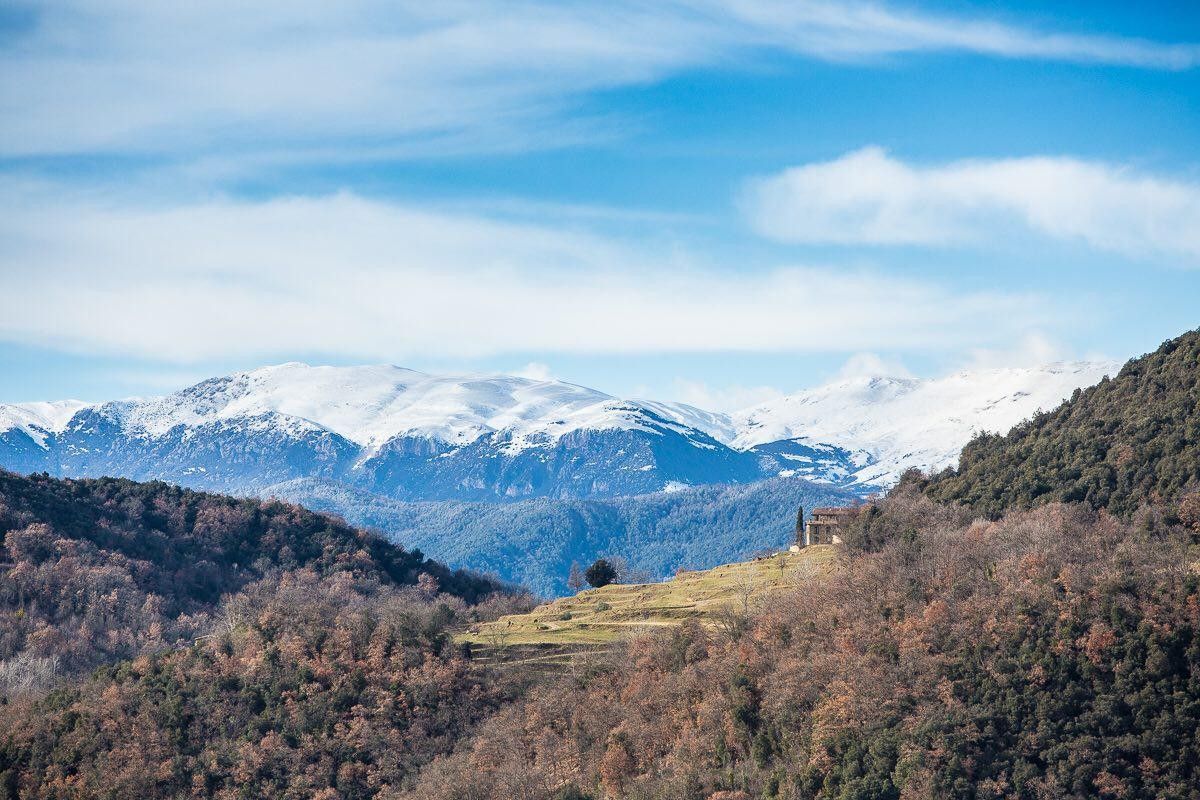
(871, 198)
(366, 77)
(363, 279)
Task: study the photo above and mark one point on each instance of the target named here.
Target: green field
(599, 616)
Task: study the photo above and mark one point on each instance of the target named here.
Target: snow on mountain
(383, 428)
(371, 405)
(38, 420)
(896, 423)
(416, 435)
(717, 425)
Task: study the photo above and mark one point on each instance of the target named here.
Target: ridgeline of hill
(245, 648)
(97, 570)
(1130, 440)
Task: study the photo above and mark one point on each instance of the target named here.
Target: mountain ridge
(415, 436)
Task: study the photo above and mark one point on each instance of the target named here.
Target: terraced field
(600, 616)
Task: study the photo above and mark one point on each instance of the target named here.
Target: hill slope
(1024, 658)
(595, 616)
(96, 570)
(1126, 441)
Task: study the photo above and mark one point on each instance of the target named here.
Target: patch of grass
(599, 616)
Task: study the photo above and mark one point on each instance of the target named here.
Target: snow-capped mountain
(372, 405)
(38, 420)
(891, 424)
(411, 435)
(384, 429)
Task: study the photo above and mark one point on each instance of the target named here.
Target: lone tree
(601, 573)
(575, 577)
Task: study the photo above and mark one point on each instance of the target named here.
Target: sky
(712, 201)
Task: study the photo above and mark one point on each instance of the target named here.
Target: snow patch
(39, 420)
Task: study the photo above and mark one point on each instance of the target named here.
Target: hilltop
(160, 642)
(98, 570)
(598, 616)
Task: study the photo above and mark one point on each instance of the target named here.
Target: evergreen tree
(601, 573)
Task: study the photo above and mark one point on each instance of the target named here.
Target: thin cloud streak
(312, 80)
(362, 279)
(857, 30)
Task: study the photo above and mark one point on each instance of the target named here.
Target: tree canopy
(600, 573)
(1130, 440)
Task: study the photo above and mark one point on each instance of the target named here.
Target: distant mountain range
(411, 436)
(521, 477)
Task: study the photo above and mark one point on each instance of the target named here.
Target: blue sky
(705, 200)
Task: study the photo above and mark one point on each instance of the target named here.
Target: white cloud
(1031, 350)
(868, 197)
(872, 365)
(362, 279)
(363, 77)
(856, 29)
(722, 398)
(536, 371)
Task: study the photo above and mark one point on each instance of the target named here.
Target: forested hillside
(96, 570)
(1130, 440)
(246, 648)
(1049, 654)
(311, 687)
(1052, 651)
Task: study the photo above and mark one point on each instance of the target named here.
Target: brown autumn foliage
(335, 687)
(97, 570)
(1052, 653)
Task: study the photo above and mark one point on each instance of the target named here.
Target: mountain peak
(904, 422)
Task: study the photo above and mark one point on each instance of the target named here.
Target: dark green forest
(1128, 441)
